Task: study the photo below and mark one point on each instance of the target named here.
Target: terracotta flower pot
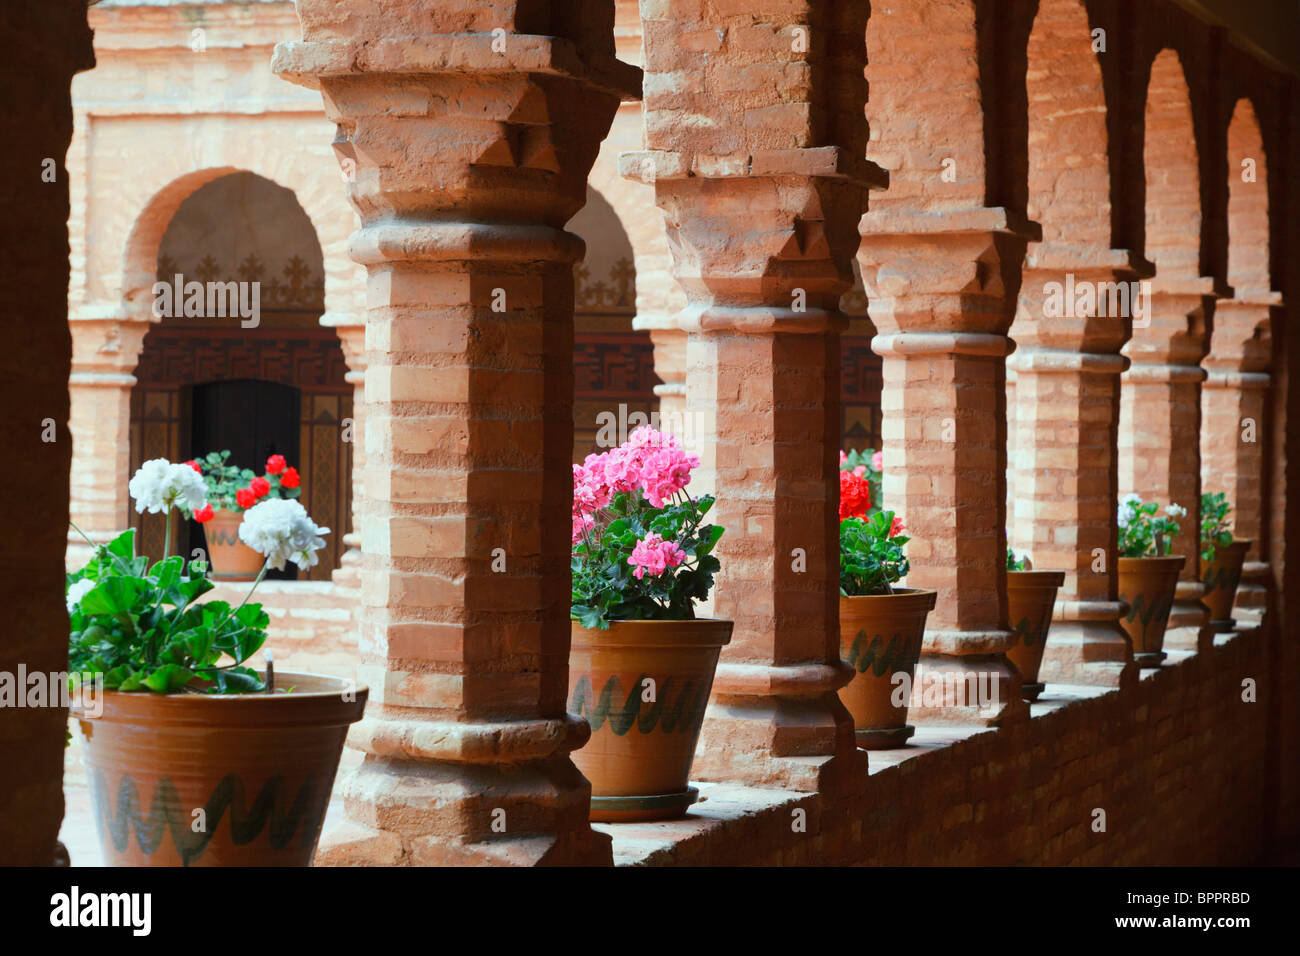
(880, 635)
(1031, 595)
(643, 734)
(260, 767)
(1221, 577)
(1148, 585)
(231, 559)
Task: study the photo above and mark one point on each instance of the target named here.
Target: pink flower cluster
(655, 555)
(649, 460)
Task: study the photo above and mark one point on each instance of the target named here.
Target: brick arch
(1069, 178)
(1170, 160)
(1248, 223)
(925, 105)
(140, 256)
(657, 293)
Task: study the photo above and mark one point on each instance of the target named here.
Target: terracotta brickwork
(1126, 779)
(463, 187)
(754, 139)
(1015, 148)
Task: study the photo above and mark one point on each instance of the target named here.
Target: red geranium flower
(275, 464)
(203, 514)
(290, 478)
(245, 498)
(259, 487)
(193, 463)
(855, 495)
(896, 528)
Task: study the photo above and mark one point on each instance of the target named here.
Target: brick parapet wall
(1182, 767)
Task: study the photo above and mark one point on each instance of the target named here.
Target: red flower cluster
(855, 495)
(204, 514)
(275, 464)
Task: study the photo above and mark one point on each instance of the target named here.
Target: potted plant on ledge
(230, 492)
(1148, 574)
(195, 758)
(1031, 598)
(1222, 558)
(881, 626)
(641, 664)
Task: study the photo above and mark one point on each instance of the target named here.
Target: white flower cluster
(1128, 506)
(1176, 511)
(78, 591)
(280, 529)
(159, 484)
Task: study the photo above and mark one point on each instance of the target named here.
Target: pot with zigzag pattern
(1031, 596)
(642, 686)
(1221, 575)
(880, 636)
(217, 779)
(1147, 586)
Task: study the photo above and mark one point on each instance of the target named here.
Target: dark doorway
(254, 420)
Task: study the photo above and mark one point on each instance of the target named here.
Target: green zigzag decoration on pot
(1221, 577)
(682, 716)
(900, 655)
(246, 823)
(1139, 609)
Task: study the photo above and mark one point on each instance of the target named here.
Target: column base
(1091, 650)
(1189, 620)
(1150, 660)
(966, 689)
(417, 813)
(780, 727)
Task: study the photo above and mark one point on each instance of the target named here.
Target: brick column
(473, 132)
(105, 351)
(761, 176)
(943, 290)
(352, 338)
(1160, 445)
(1067, 461)
(1234, 410)
(669, 342)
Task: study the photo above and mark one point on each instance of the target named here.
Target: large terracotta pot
(231, 559)
(643, 734)
(1221, 577)
(1148, 585)
(259, 766)
(1031, 596)
(880, 636)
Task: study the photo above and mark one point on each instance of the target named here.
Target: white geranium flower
(1176, 511)
(1127, 511)
(281, 530)
(159, 485)
(78, 591)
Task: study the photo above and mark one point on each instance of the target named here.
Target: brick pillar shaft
(942, 302)
(472, 150)
(1235, 398)
(105, 353)
(1160, 448)
(1068, 370)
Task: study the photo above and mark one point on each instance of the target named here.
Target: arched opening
(613, 364)
(262, 379)
(1173, 191)
(1069, 180)
(1248, 246)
